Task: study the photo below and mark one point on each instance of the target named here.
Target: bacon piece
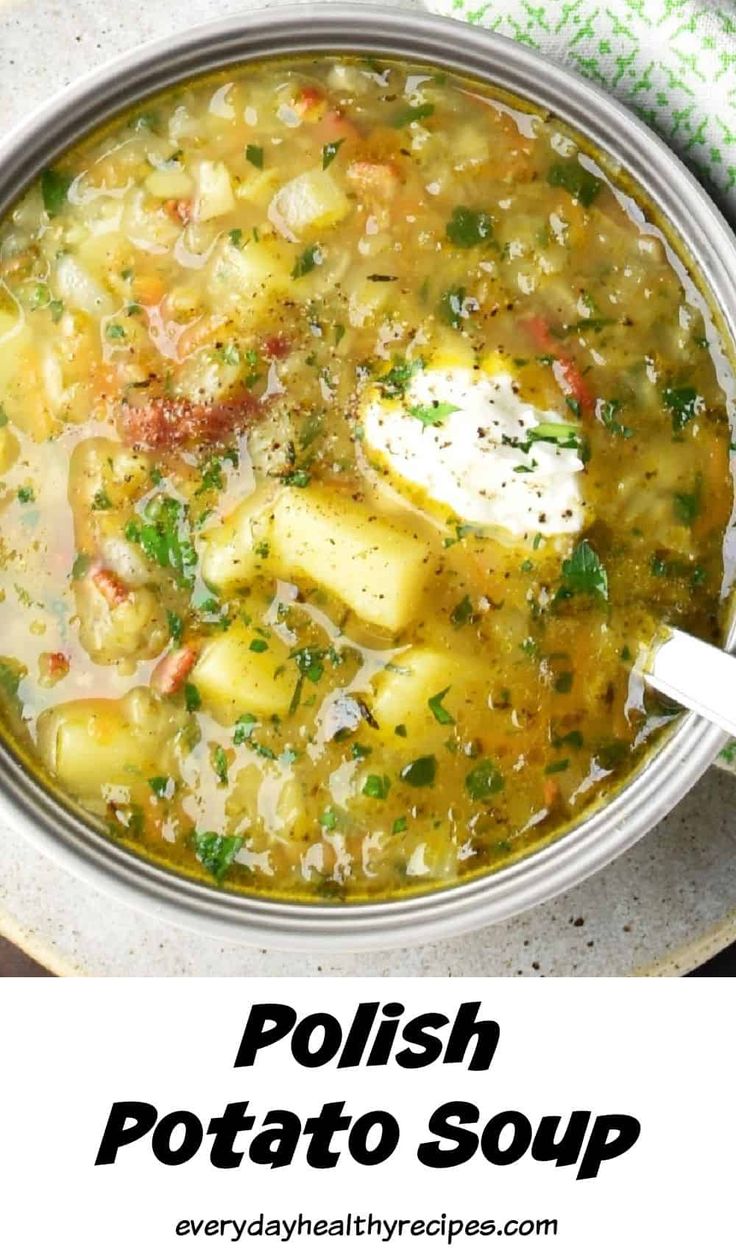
(179, 210)
(172, 670)
(52, 667)
(379, 179)
(276, 347)
(167, 423)
(110, 586)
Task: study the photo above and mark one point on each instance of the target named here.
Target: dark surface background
(14, 963)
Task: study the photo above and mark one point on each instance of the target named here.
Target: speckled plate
(662, 908)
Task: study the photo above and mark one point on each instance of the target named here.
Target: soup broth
(356, 434)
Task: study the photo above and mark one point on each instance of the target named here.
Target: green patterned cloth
(672, 61)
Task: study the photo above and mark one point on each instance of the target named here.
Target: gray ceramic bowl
(705, 241)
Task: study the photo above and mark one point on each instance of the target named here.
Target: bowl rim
(691, 747)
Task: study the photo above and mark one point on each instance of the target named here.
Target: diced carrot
(166, 422)
(179, 210)
(568, 374)
(378, 179)
(149, 288)
(110, 586)
(539, 332)
(551, 792)
(335, 126)
(172, 670)
(310, 103)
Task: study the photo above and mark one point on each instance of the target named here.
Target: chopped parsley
(483, 780)
(297, 478)
(452, 306)
(244, 727)
(557, 766)
(163, 534)
(26, 494)
(216, 852)
(399, 825)
(440, 714)
(192, 697)
(462, 613)
(433, 414)
(54, 191)
(393, 384)
(377, 786)
(162, 787)
(219, 763)
(607, 411)
(307, 260)
(412, 113)
(254, 154)
(258, 645)
(583, 574)
(687, 504)
(573, 177)
(330, 151)
(420, 772)
(469, 227)
(176, 625)
(684, 403)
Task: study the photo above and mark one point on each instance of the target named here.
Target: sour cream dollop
(463, 438)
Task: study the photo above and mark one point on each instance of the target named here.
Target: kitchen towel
(671, 61)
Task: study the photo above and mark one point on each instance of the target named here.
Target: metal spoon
(696, 675)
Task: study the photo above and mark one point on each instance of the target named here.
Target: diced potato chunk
(244, 276)
(79, 290)
(403, 692)
(104, 477)
(214, 195)
(134, 629)
(232, 678)
(374, 565)
(309, 202)
(237, 550)
(169, 184)
(267, 799)
(90, 744)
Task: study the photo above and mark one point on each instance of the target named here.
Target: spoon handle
(701, 677)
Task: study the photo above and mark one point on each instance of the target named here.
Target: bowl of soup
(364, 396)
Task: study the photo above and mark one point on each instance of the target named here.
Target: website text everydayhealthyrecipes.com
(365, 1225)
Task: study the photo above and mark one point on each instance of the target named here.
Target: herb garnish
(330, 151)
(420, 772)
(433, 414)
(440, 713)
(469, 227)
(573, 177)
(54, 190)
(216, 852)
(306, 262)
(583, 574)
(483, 780)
